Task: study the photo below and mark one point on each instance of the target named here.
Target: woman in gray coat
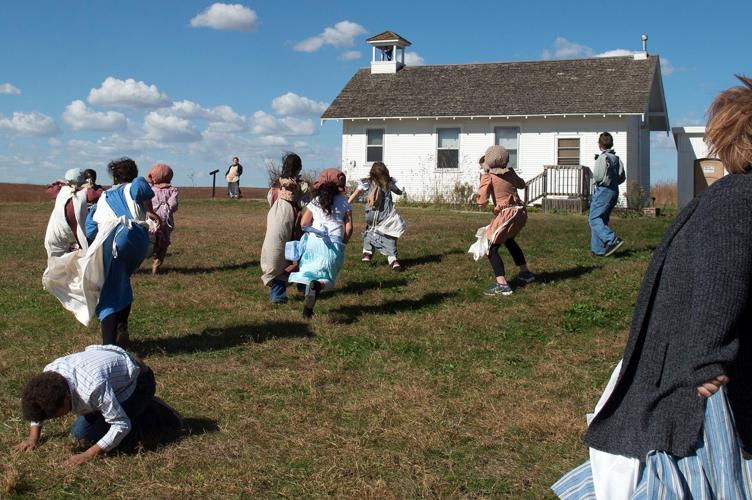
(677, 416)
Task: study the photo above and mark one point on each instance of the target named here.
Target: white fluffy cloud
(80, 117)
(7, 88)
(293, 104)
(28, 124)
(170, 128)
(414, 59)
(272, 140)
(350, 55)
(226, 17)
(265, 124)
(194, 111)
(340, 35)
(567, 49)
(127, 93)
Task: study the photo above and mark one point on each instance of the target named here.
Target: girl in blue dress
(129, 199)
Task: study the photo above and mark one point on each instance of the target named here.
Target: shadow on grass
(428, 259)
(563, 274)
(214, 339)
(631, 252)
(350, 313)
(167, 269)
(359, 287)
(192, 426)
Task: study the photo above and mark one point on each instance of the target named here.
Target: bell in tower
(388, 50)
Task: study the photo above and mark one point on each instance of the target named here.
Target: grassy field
(403, 385)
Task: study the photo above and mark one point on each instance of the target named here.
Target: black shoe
(307, 312)
(613, 247)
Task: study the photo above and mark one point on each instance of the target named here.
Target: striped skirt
(716, 469)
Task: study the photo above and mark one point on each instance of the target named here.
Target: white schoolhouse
(430, 124)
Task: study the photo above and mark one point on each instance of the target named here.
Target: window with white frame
(375, 145)
(568, 151)
(448, 148)
(508, 137)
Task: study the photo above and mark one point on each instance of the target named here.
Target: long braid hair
(379, 176)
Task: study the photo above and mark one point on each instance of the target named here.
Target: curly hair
(729, 129)
(326, 194)
(291, 166)
(122, 170)
(43, 396)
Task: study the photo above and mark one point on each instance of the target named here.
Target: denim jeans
(278, 292)
(601, 236)
(93, 426)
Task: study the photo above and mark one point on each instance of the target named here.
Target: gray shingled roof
(388, 35)
(597, 85)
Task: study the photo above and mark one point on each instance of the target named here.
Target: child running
(122, 213)
(65, 229)
(328, 222)
(383, 224)
(500, 184)
(165, 203)
(282, 225)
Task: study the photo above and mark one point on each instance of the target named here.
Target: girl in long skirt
(384, 225)
(165, 204)
(128, 200)
(282, 225)
(676, 418)
(328, 222)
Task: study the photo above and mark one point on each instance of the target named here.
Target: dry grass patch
(403, 385)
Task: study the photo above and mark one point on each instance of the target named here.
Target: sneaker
(168, 416)
(613, 247)
(498, 290)
(396, 266)
(526, 276)
(366, 257)
(309, 299)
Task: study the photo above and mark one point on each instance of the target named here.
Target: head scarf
(160, 175)
(75, 176)
(332, 175)
(495, 160)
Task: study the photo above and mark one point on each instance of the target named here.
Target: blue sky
(193, 83)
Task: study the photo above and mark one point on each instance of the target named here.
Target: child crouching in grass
(383, 224)
(165, 203)
(328, 222)
(111, 391)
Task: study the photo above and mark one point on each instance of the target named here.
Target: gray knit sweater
(692, 322)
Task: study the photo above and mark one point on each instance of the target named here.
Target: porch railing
(562, 181)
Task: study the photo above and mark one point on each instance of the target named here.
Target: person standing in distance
(234, 171)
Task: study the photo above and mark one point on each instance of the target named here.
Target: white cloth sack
(393, 225)
(59, 237)
(615, 477)
(479, 249)
(76, 278)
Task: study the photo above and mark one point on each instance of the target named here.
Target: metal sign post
(213, 173)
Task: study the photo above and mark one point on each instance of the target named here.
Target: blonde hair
(729, 129)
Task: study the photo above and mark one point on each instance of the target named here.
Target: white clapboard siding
(410, 148)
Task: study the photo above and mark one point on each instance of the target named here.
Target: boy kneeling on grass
(111, 391)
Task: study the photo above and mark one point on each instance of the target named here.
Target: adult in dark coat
(690, 333)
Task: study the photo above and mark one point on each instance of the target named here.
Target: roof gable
(581, 86)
